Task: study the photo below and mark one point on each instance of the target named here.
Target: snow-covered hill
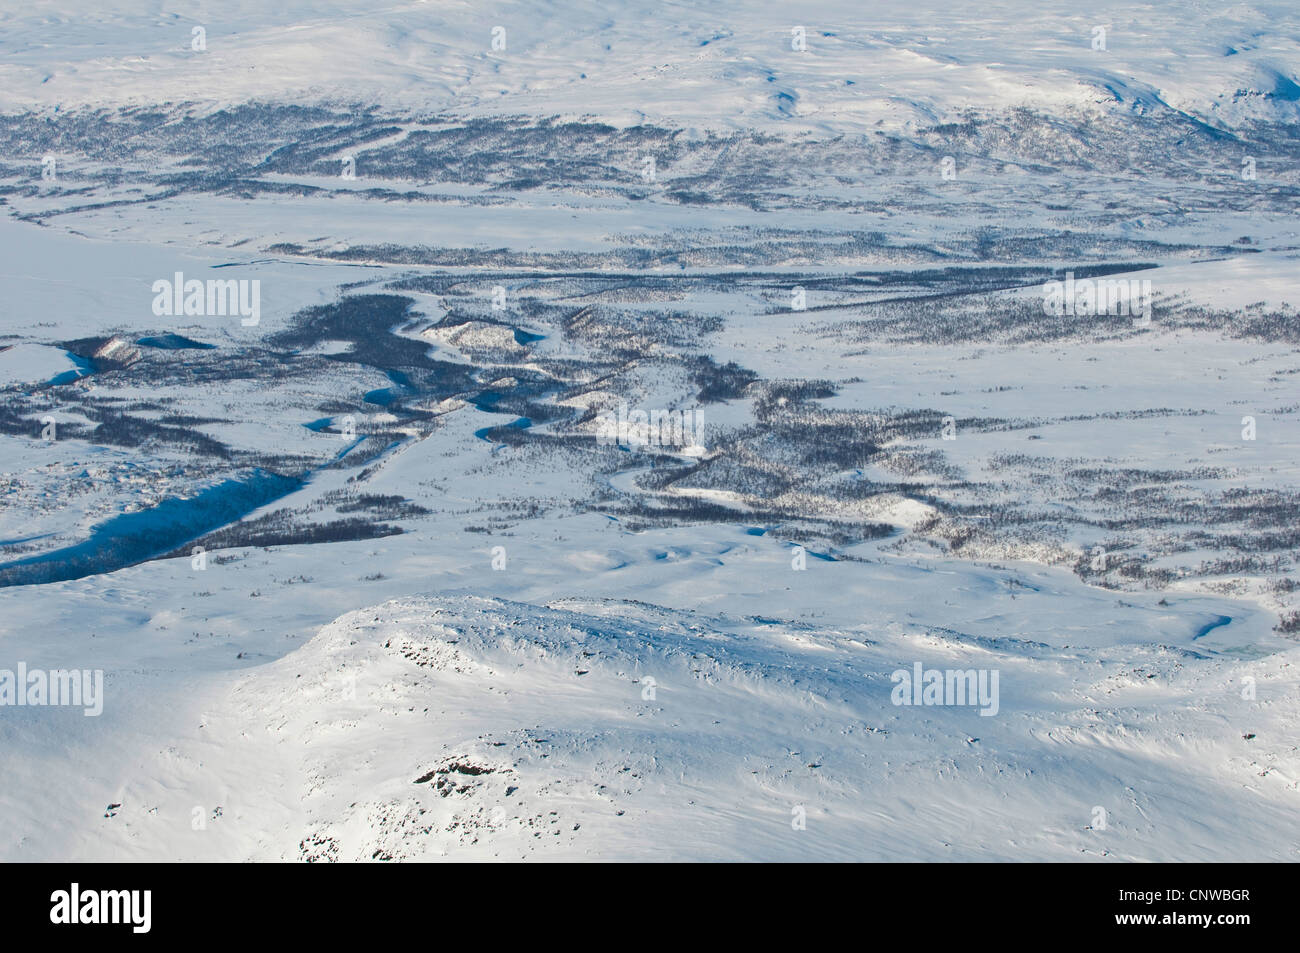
(472, 728)
(712, 65)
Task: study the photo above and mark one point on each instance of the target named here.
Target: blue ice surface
(519, 423)
(83, 368)
(825, 557)
(131, 538)
(1210, 626)
(174, 342)
(384, 396)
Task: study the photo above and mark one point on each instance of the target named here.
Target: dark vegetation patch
(285, 527)
(720, 382)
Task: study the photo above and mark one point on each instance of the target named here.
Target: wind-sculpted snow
(475, 728)
(618, 730)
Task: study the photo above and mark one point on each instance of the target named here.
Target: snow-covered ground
(712, 65)
(366, 578)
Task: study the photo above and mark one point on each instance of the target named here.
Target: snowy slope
(471, 728)
(631, 732)
(711, 65)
